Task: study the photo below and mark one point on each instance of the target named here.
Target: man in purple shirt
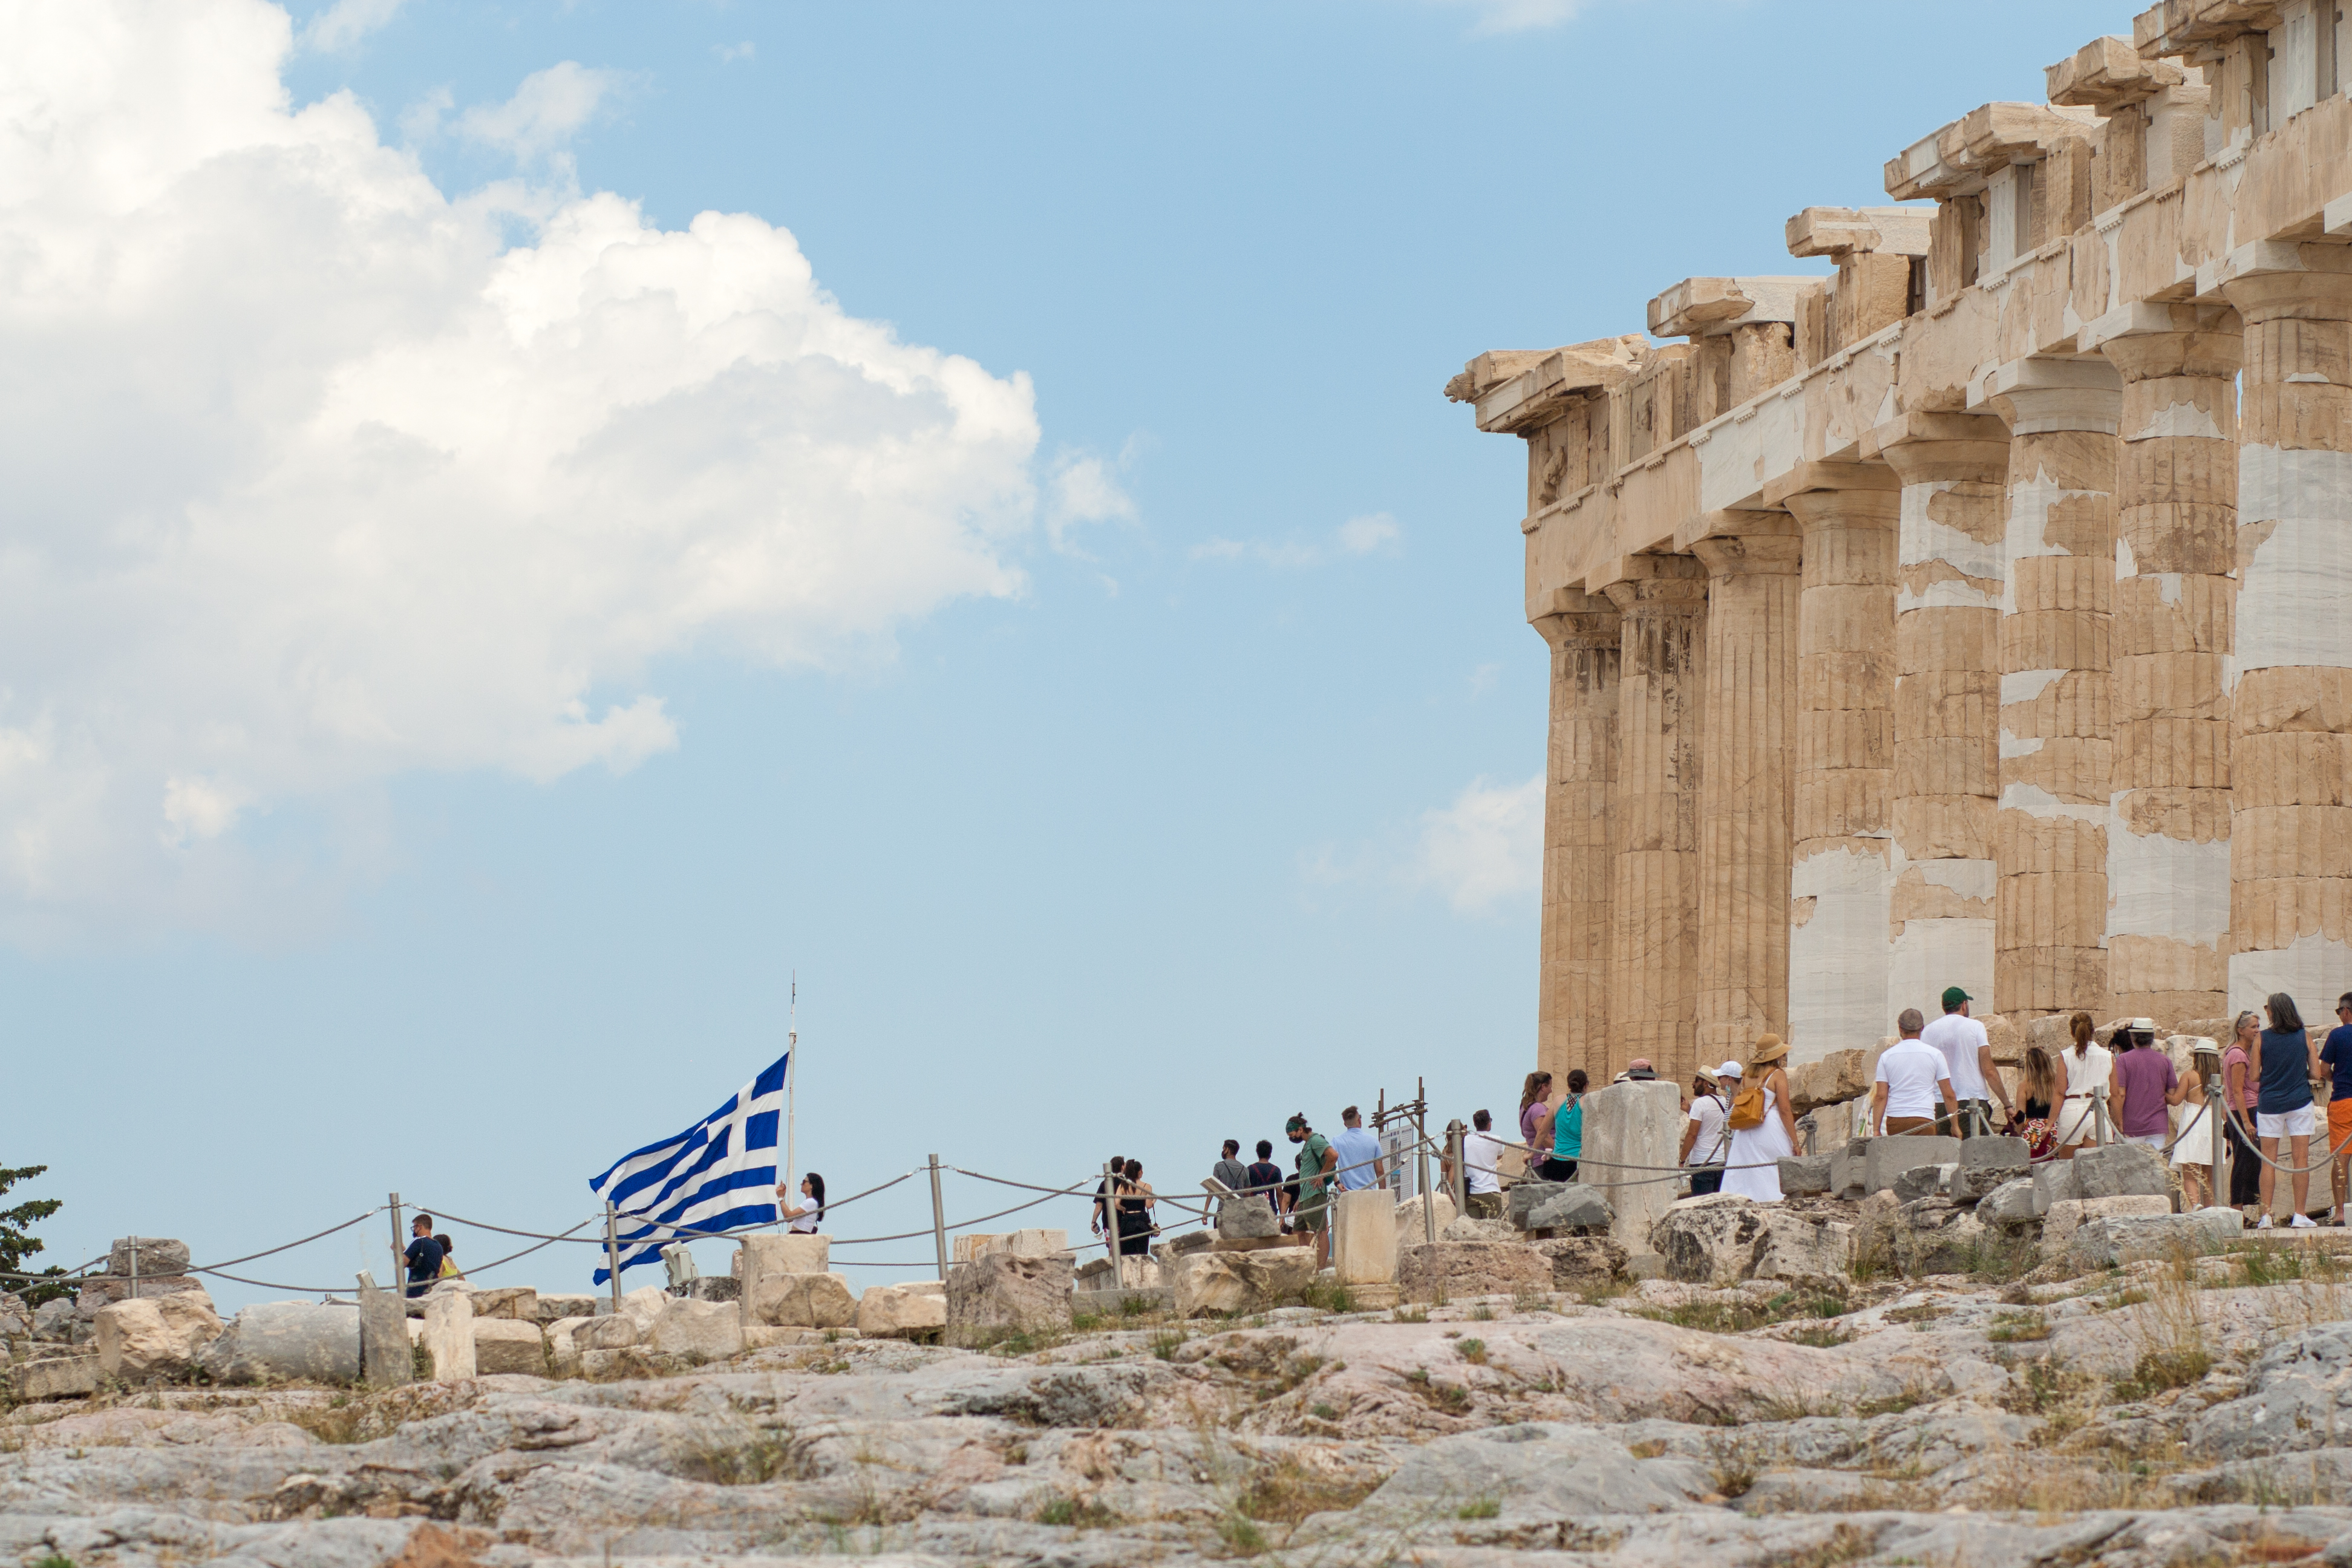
(2143, 1078)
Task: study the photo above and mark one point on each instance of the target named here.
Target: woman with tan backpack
(1763, 1127)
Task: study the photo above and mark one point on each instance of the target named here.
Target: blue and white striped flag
(703, 1179)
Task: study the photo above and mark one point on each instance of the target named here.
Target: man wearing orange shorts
(2336, 1057)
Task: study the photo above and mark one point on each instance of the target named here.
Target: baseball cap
(1954, 996)
(1732, 1069)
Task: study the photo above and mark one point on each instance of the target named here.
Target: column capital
(2148, 342)
(1659, 584)
(1923, 446)
(2272, 280)
(1742, 555)
(2039, 394)
(1828, 478)
(1579, 619)
(1817, 509)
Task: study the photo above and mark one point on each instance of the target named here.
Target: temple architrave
(1975, 614)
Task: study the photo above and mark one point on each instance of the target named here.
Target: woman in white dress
(2193, 1140)
(1758, 1148)
(2089, 1066)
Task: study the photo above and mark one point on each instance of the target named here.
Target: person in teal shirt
(1316, 1158)
(1567, 1133)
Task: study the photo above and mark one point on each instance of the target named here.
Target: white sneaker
(2264, 1224)
(2302, 1222)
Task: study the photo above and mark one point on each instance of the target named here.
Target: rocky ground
(2176, 1411)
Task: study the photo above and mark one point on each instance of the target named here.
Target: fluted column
(1579, 869)
(2049, 835)
(1653, 926)
(1747, 770)
(2176, 554)
(2291, 717)
(1947, 701)
(1841, 880)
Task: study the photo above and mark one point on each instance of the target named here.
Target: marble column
(1654, 925)
(2174, 598)
(1578, 864)
(1840, 881)
(2291, 715)
(2058, 554)
(1949, 585)
(1748, 766)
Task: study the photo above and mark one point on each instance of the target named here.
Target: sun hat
(1769, 1048)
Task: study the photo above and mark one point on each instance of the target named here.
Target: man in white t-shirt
(1912, 1075)
(1482, 1158)
(1969, 1054)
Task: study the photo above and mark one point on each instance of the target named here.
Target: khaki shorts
(1311, 1214)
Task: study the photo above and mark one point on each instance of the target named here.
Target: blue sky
(1195, 793)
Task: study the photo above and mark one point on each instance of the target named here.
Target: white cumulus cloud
(1485, 850)
(313, 479)
(346, 21)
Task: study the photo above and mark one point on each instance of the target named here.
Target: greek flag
(717, 1175)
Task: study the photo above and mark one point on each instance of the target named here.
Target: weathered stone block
(1230, 1283)
(519, 1303)
(915, 1311)
(1468, 1228)
(563, 1349)
(448, 1334)
(1921, 1181)
(1580, 1260)
(156, 1256)
(1411, 1229)
(554, 1308)
(158, 1336)
(1574, 1207)
(2011, 1202)
(509, 1345)
(279, 1341)
(2109, 1240)
(384, 1358)
(2054, 1183)
(727, 1287)
(1191, 1241)
(1935, 1236)
(1887, 1158)
(2058, 1224)
(612, 1332)
(1987, 1163)
(711, 1329)
(1522, 1199)
(58, 1377)
(765, 1258)
(1806, 1174)
(1005, 1291)
(1631, 1133)
(1850, 1170)
(1453, 1270)
(808, 1300)
(1363, 1237)
(1720, 1238)
(1247, 1219)
(2119, 1170)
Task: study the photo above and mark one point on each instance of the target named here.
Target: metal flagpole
(792, 1073)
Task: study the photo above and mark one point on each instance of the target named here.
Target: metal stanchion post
(1421, 1154)
(2099, 1110)
(939, 1220)
(2208, 1068)
(134, 1267)
(613, 1254)
(399, 1258)
(1453, 1152)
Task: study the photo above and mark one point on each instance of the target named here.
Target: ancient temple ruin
(1975, 615)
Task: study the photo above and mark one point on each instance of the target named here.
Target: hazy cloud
(346, 21)
(1376, 533)
(1485, 850)
(1514, 16)
(545, 113)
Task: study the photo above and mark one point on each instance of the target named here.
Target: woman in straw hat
(1774, 1139)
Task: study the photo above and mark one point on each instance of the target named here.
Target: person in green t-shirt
(1315, 1160)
